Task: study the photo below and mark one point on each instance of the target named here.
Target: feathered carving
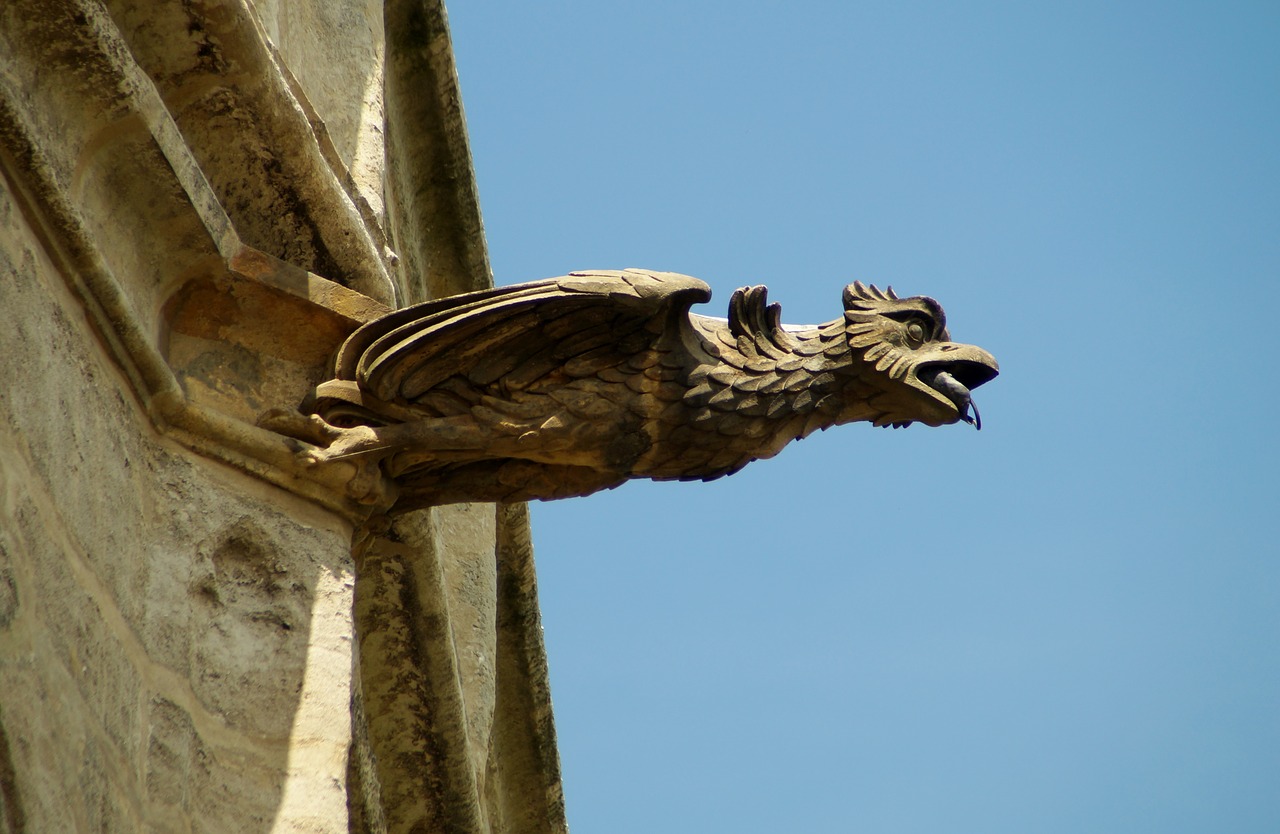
(571, 385)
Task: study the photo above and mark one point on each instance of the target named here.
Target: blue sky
(1066, 622)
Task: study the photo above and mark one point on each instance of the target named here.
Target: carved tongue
(959, 395)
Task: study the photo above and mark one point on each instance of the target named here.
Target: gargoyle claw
(295, 424)
(317, 442)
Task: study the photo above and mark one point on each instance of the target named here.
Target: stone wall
(173, 633)
(198, 201)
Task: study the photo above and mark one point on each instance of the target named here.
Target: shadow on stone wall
(11, 816)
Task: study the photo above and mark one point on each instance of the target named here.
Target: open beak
(955, 372)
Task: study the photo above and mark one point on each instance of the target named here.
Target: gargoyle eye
(916, 333)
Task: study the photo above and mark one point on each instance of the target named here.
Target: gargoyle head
(906, 340)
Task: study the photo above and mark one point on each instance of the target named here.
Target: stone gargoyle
(571, 385)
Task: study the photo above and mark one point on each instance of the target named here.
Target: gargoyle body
(572, 385)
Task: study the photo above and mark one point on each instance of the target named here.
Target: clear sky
(1066, 622)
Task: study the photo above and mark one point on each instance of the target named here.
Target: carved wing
(512, 336)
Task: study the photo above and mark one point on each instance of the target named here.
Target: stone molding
(114, 121)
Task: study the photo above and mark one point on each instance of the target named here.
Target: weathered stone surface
(249, 130)
(334, 53)
(433, 207)
(196, 208)
(161, 613)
